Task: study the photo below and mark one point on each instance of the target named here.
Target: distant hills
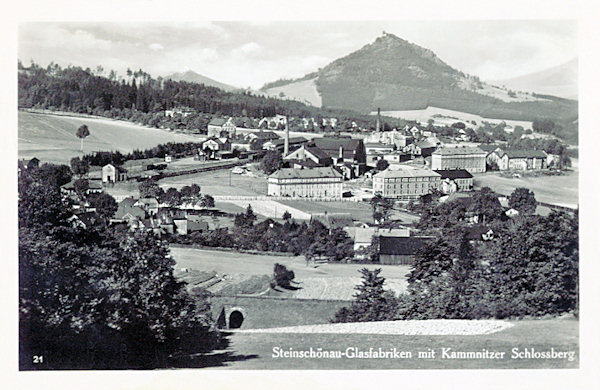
(193, 77)
(394, 74)
(558, 80)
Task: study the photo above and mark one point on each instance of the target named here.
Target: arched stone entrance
(236, 318)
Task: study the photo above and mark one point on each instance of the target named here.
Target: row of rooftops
(310, 173)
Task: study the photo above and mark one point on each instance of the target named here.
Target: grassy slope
(538, 334)
(560, 190)
(52, 138)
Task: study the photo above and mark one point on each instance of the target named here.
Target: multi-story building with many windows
(469, 158)
(323, 182)
(404, 182)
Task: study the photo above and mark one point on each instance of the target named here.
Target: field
(52, 137)
(321, 281)
(217, 183)
(541, 335)
(560, 190)
(360, 211)
(447, 117)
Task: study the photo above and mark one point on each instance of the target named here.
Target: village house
(400, 250)
(405, 182)
(333, 220)
(113, 173)
(149, 204)
(219, 127)
(520, 159)
(362, 236)
(346, 153)
(425, 147)
(309, 156)
(180, 111)
(127, 211)
(213, 146)
(94, 187)
(471, 159)
(455, 180)
(376, 151)
(323, 182)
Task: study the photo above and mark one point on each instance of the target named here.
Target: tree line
(313, 240)
(530, 267)
(142, 99)
(88, 301)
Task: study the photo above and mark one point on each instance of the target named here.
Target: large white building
(468, 158)
(324, 182)
(405, 182)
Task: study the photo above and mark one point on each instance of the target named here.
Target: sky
(249, 54)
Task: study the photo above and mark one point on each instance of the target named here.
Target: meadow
(559, 190)
(51, 138)
(314, 281)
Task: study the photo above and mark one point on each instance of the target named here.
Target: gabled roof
(331, 146)
(134, 211)
(401, 246)
(266, 135)
(93, 185)
(217, 122)
(332, 221)
(488, 147)
(317, 152)
(524, 153)
(427, 143)
(148, 201)
(400, 171)
(128, 202)
(459, 151)
(295, 173)
(454, 174)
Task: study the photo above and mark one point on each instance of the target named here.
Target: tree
(282, 276)
(150, 189)
(486, 205)
(105, 205)
(286, 216)
(55, 175)
(381, 208)
(523, 200)
(208, 201)
(382, 165)
(79, 167)
(82, 132)
(100, 290)
(271, 162)
(245, 220)
(172, 197)
(81, 186)
(371, 301)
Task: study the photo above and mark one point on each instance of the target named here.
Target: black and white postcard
(375, 192)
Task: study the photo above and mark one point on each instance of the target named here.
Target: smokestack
(286, 145)
(378, 126)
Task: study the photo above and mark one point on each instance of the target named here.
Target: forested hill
(80, 90)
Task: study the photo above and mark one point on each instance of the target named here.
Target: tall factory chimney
(378, 126)
(286, 145)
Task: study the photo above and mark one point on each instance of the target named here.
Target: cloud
(156, 46)
(250, 49)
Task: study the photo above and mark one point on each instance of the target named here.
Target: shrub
(282, 275)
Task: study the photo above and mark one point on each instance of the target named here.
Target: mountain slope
(559, 80)
(394, 74)
(193, 77)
